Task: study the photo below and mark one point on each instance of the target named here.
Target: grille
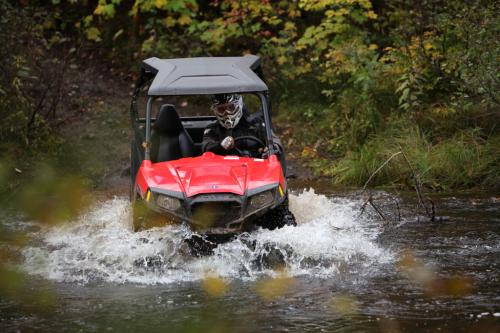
(215, 214)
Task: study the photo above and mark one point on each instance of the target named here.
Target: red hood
(211, 178)
(211, 173)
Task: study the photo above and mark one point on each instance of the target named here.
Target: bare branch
(417, 185)
(377, 210)
(380, 168)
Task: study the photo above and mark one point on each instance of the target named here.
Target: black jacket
(247, 126)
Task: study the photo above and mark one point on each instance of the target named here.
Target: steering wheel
(247, 137)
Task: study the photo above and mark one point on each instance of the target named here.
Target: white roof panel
(207, 75)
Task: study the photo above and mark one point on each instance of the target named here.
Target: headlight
(168, 203)
(261, 200)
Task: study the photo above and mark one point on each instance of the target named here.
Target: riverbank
(95, 145)
(461, 160)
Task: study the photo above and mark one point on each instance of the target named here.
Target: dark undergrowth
(352, 82)
(460, 159)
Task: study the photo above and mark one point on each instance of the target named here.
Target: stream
(337, 271)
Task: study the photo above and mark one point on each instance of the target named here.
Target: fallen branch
(364, 206)
(368, 200)
(376, 209)
(431, 213)
(417, 185)
(433, 210)
(399, 210)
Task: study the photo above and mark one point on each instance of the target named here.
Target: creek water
(339, 271)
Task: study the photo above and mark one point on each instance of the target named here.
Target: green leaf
(117, 34)
(93, 34)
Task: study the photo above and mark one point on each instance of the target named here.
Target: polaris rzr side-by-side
(174, 181)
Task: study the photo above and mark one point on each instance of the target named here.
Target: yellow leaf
(214, 286)
(160, 4)
(93, 34)
(169, 22)
(343, 305)
(184, 20)
(343, 11)
(289, 26)
(99, 10)
(281, 60)
(272, 288)
(371, 15)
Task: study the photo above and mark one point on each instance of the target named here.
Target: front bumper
(219, 213)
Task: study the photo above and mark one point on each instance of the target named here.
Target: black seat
(169, 139)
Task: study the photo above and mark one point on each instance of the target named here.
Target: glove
(265, 151)
(227, 143)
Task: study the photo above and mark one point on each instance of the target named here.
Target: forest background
(352, 82)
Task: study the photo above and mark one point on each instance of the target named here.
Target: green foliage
(422, 55)
(463, 161)
(343, 71)
(21, 126)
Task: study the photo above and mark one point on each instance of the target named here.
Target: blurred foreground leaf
(11, 281)
(430, 281)
(271, 288)
(53, 198)
(14, 286)
(214, 286)
(344, 305)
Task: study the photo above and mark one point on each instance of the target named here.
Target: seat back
(169, 139)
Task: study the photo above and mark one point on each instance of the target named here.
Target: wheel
(132, 190)
(278, 218)
(134, 166)
(144, 218)
(139, 215)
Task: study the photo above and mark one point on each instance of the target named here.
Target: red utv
(173, 181)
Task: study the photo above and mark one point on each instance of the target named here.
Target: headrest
(167, 120)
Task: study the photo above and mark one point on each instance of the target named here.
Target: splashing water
(101, 246)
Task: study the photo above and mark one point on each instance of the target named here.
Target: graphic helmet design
(228, 108)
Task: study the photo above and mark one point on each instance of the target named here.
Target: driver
(233, 122)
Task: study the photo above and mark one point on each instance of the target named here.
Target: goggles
(225, 109)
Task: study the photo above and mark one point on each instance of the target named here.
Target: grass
(344, 150)
(464, 161)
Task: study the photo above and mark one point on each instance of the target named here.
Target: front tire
(139, 215)
(144, 218)
(134, 167)
(279, 217)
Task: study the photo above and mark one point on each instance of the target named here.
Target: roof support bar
(267, 119)
(147, 148)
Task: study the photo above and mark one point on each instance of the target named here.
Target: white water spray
(101, 246)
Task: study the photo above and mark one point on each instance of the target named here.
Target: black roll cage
(147, 76)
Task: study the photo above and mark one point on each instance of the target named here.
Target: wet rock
(200, 246)
(309, 262)
(151, 263)
(250, 243)
(273, 257)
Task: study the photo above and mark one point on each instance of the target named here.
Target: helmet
(228, 109)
